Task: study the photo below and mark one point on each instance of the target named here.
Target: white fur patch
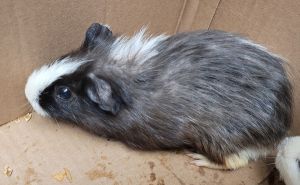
(286, 160)
(41, 78)
(254, 154)
(139, 47)
(241, 159)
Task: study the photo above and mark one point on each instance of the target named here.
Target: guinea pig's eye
(63, 92)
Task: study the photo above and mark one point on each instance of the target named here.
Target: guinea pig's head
(68, 87)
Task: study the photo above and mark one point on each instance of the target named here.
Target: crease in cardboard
(180, 16)
(188, 14)
(214, 15)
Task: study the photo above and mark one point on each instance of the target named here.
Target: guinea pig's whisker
(84, 101)
(57, 123)
(74, 116)
(89, 111)
(270, 164)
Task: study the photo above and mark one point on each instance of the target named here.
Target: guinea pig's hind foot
(230, 163)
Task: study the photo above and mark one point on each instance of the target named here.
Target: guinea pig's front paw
(202, 161)
(232, 162)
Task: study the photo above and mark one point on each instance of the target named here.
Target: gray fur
(208, 91)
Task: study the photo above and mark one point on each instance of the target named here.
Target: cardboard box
(35, 32)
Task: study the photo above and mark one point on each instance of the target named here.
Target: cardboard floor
(41, 151)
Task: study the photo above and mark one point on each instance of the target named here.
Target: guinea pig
(217, 94)
(287, 160)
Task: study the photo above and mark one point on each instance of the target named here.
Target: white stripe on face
(41, 78)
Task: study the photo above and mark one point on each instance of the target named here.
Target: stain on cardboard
(99, 173)
(151, 164)
(201, 171)
(152, 177)
(178, 152)
(163, 163)
(129, 180)
(116, 183)
(103, 157)
(30, 176)
(103, 166)
(161, 182)
(216, 176)
(26, 149)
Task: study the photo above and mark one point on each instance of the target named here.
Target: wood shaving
(60, 176)
(17, 120)
(27, 117)
(68, 175)
(7, 171)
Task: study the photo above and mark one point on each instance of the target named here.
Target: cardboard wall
(35, 32)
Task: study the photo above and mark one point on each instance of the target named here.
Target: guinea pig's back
(226, 84)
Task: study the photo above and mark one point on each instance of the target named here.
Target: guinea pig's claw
(231, 162)
(202, 161)
(196, 156)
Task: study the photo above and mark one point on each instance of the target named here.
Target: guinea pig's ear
(100, 92)
(96, 34)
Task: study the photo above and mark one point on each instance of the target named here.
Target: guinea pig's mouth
(42, 78)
